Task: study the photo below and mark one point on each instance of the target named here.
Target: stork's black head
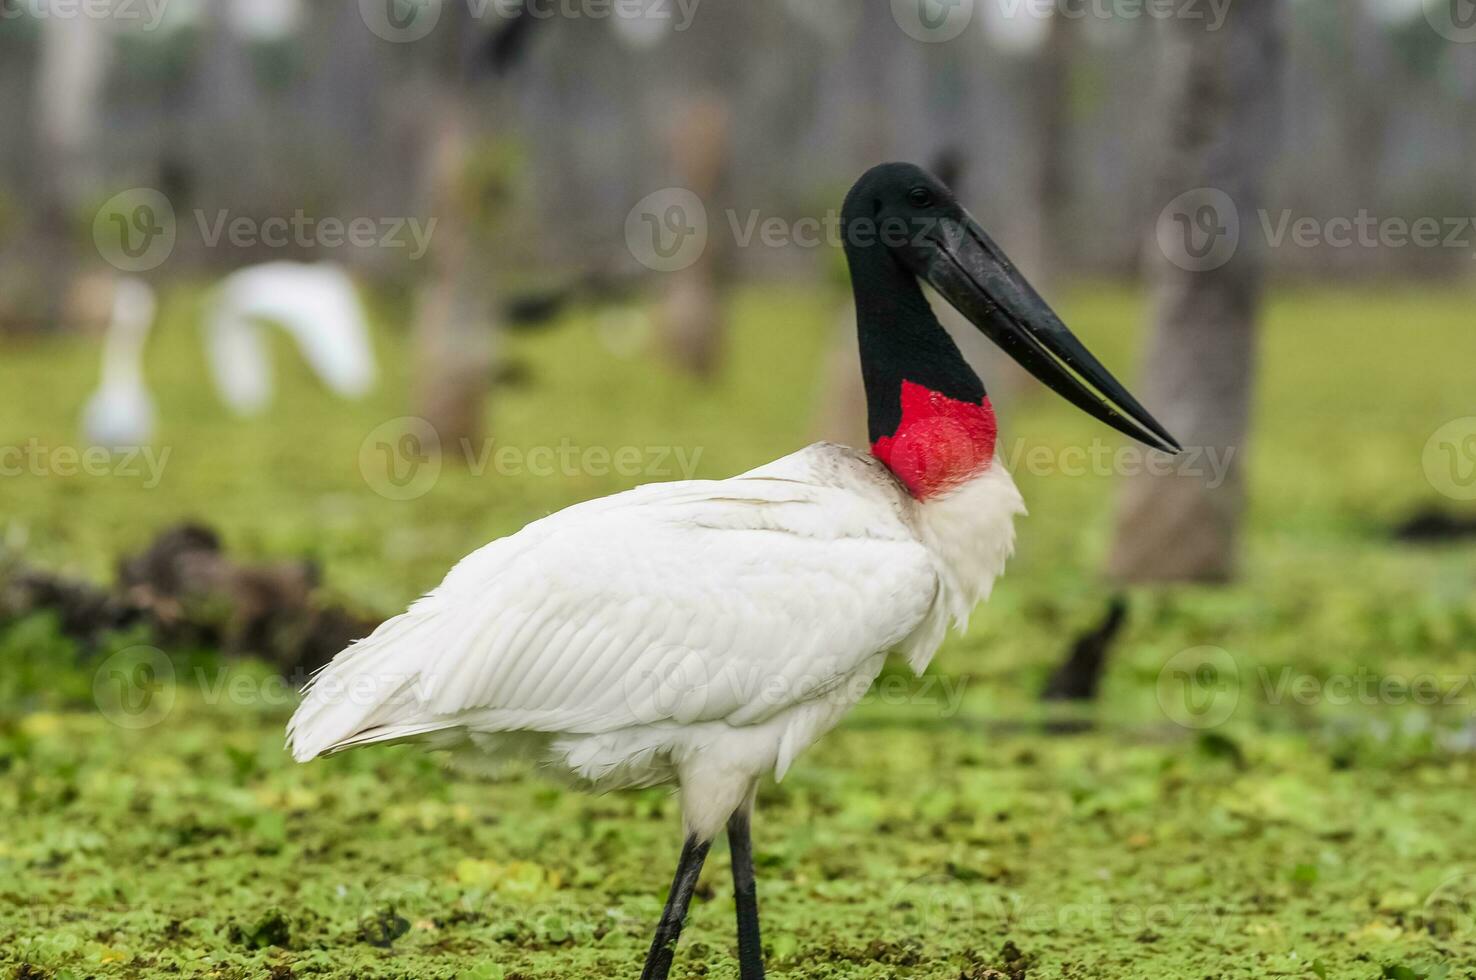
(892, 207)
(900, 225)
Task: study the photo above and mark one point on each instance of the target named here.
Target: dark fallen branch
(188, 593)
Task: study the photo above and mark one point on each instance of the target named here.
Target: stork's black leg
(745, 895)
(669, 930)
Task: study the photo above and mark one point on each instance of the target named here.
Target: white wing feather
(681, 602)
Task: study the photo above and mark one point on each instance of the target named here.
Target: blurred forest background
(271, 106)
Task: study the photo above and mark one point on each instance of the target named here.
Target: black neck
(901, 340)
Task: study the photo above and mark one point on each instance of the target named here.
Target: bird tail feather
(368, 693)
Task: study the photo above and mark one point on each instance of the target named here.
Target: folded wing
(682, 603)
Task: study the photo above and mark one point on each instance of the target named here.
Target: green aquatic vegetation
(1304, 811)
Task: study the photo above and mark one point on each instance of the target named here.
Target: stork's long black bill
(970, 271)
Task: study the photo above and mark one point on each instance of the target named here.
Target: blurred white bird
(705, 633)
(120, 414)
(319, 309)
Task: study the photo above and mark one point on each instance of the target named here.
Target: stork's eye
(920, 197)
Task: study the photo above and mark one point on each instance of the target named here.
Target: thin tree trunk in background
(1051, 113)
(454, 329)
(1465, 60)
(453, 324)
(1365, 99)
(1362, 105)
(1225, 90)
(1045, 253)
(861, 107)
(692, 316)
(841, 414)
(228, 122)
(68, 93)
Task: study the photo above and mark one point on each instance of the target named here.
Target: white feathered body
(702, 632)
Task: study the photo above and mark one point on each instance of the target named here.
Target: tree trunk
(68, 93)
(1051, 124)
(862, 105)
(453, 324)
(1225, 92)
(454, 331)
(841, 414)
(692, 318)
(1045, 233)
(1362, 101)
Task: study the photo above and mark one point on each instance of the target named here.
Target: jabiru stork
(703, 633)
